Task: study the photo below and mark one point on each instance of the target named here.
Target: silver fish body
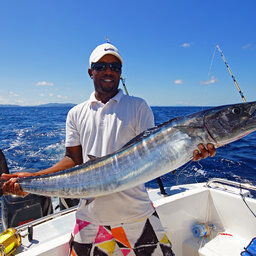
(153, 153)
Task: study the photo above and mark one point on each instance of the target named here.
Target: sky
(168, 48)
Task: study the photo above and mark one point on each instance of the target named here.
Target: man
(123, 223)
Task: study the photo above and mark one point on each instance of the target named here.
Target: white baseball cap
(102, 50)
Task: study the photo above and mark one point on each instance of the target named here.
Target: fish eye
(236, 111)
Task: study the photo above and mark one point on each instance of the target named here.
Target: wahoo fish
(151, 154)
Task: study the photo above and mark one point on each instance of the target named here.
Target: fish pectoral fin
(192, 131)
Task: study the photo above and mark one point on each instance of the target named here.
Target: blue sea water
(32, 138)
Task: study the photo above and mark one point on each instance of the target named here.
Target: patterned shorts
(142, 238)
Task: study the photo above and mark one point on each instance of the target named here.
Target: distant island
(49, 105)
(70, 105)
(57, 105)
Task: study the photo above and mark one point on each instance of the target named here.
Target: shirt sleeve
(72, 134)
(145, 119)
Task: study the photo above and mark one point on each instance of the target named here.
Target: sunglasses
(102, 66)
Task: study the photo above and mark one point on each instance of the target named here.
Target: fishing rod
(159, 181)
(123, 82)
(230, 72)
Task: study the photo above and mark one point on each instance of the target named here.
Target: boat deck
(230, 211)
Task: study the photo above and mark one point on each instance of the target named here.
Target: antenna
(108, 41)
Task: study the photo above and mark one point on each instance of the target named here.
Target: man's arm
(73, 157)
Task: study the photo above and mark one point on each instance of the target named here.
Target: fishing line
(179, 173)
(209, 72)
(186, 167)
(210, 68)
(201, 166)
(243, 198)
(31, 155)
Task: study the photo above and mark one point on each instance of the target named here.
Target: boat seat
(223, 245)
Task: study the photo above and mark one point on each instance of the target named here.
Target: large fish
(153, 153)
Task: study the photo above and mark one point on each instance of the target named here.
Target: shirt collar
(116, 98)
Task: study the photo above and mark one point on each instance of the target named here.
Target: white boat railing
(46, 218)
(29, 226)
(230, 183)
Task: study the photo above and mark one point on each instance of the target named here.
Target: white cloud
(11, 98)
(3, 100)
(62, 97)
(51, 94)
(178, 81)
(44, 83)
(186, 45)
(247, 46)
(13, 94)
(20, 101)
(213, 80)
(42, 95)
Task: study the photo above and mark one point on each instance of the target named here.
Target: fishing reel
(10, 240)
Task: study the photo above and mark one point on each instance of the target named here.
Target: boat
(214, 218)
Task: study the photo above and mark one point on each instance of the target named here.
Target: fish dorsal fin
(91, 157)
(141, 136)
(148, 132)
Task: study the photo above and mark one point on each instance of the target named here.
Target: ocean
(32, 139)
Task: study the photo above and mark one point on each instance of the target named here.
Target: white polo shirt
(102, 129)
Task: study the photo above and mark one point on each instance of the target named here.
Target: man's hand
(203, 152)
(72, 157)
(11, 186)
